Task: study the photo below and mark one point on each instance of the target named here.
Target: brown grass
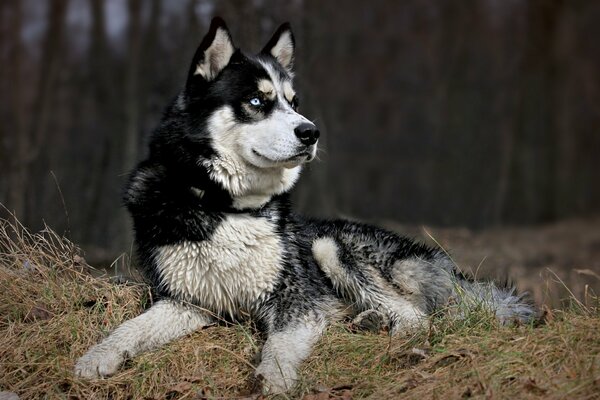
(52, 310)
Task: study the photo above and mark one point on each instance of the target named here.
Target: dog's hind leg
(362, 285)
(285, 349)
(165, 321)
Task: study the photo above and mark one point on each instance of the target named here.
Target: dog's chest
(228, 272)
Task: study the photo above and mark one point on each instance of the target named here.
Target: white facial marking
(227, 273)
(216, 57)
(256, 160)
(231, 168)
(274, 140)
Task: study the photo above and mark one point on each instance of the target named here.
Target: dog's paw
(275, 379)
(100, 361)
(371, 321)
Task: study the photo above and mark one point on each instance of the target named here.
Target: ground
(52, 309)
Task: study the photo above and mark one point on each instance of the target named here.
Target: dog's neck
(250, 187)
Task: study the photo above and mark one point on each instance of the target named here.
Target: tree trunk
(17, 138)
(132, 101)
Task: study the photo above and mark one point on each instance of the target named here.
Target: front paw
(100, 361)
(276, 379)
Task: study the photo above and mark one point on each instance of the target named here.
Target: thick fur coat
(217, 239)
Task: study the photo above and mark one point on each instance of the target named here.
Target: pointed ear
(214, 52)
(282, 46)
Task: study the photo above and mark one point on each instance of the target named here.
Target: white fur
(250, 201)
(252, 180)
(228, 272)
(163, 322)
(267, 143)
(284, 351)
(283, 51)
(259, 159)
(274, 140)
(216, 56)
(288, 91)
(402, 312)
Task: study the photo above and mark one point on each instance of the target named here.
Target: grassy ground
(52, 310)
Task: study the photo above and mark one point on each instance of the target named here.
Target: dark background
(475, 113)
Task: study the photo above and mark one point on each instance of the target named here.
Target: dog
(216, 237)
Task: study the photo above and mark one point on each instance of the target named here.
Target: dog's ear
(282, 46)
(214, 52)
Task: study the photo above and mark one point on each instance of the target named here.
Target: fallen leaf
(181, 387)
(79, 261)
(192, 378)
(547, 315)
(204, 393)
(531, 386)
(255, 396)
(317, 396)
(408, 384)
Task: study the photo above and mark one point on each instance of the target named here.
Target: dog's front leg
(283, 352)
(165, 321)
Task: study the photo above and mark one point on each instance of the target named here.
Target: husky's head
(245, 108)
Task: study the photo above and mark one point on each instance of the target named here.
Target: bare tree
(14, 121)
(132, 83)
(29, 142)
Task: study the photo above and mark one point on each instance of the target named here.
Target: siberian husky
(217, 240)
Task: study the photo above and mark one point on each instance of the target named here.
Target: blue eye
(255, 101)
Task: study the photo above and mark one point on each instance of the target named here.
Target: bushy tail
(502, 300)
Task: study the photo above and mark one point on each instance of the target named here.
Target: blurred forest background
(474, 113)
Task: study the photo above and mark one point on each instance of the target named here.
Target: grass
(52, 310)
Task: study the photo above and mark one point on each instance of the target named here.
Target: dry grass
(52, 310)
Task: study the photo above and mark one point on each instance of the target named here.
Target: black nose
(307, 133)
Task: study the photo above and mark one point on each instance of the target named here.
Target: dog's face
(249, 102)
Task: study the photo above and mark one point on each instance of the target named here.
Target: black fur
(319, 270)
(309, 272)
